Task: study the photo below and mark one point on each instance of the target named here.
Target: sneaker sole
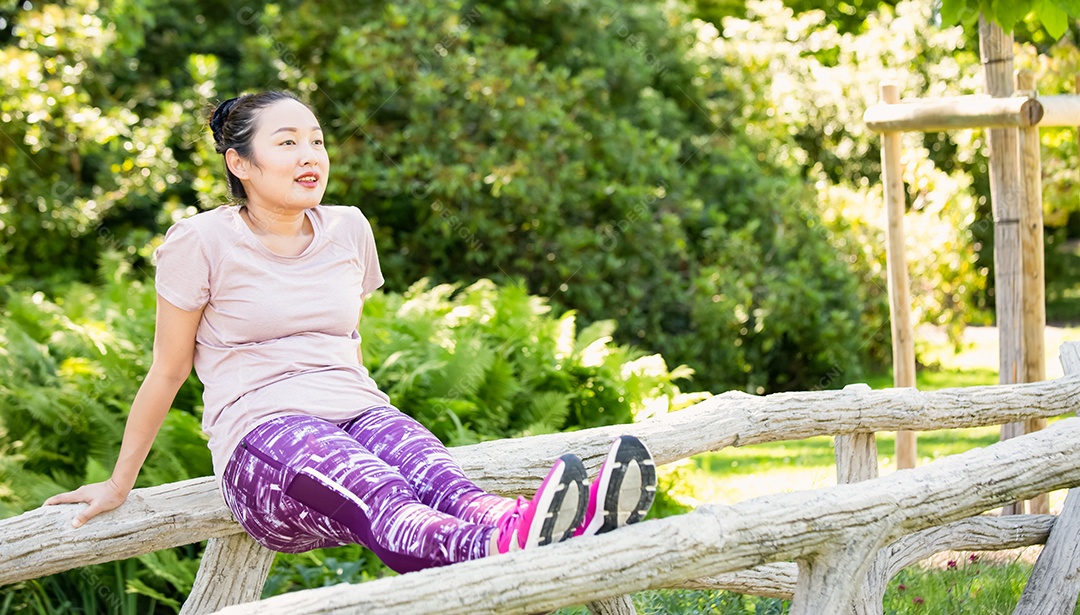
(628, 484)
(563, 497)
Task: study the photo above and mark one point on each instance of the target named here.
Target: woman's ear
(239, 166)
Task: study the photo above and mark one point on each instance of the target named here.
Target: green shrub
(69, 367)
(487, 362)
(574, 147)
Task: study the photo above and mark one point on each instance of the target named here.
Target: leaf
(1053, 19)
(597, 331)
(135, 586)
(1008, 12)
(951, 11)
(1069, 7)
(548, 407)
(167, 565)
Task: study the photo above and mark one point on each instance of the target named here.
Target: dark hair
(233, 123)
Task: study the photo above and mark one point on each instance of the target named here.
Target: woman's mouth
(308, 180)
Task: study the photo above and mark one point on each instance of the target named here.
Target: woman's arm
(174, 350)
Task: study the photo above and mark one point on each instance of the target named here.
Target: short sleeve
(183, 267)
(369, 256)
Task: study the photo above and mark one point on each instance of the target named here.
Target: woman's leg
(297, 483)
(424, 462)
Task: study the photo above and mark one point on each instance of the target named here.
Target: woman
(263, 298)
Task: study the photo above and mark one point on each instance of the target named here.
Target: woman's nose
(308, 155)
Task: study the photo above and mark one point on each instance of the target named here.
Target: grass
(966, 583)
(736, 474)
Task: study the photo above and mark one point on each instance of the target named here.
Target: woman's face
(289, 167)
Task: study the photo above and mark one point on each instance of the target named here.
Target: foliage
(69, 367)
(779, 60)
(1053, 14)
(848, 16)
(322, 568)
(74, 157)
(561, 144)
(486, 362)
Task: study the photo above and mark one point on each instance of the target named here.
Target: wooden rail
(855, 533)
(833, 533)
(974, 111)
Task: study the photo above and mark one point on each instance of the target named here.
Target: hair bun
(217, 120)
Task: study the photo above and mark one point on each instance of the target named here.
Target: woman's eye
(288, 142)
(318, 141)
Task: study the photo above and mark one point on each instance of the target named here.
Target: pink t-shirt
(278, 335)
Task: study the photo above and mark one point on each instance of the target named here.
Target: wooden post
(903, 337)
(856, 461)
(1034, 289)
(856, 454)
(1006, 195)
(1055, 581)
(233, 570)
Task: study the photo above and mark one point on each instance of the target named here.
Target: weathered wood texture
(621, 605)
(856, 454)
(1031, 226)
(935, 115)
(856, 460)
(1006, 196)
(42, 541)
(1070, 358)
(1034, 278)
(903, 334)
(1055, 581)
(233, 570)
(981, 533)
(718, 539)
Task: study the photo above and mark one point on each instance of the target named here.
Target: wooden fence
(831, 550)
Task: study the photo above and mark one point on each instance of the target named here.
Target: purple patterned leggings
(297, 483)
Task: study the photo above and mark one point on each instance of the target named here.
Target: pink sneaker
(624, 489)
(554, 512)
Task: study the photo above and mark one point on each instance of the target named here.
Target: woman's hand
(102, 497)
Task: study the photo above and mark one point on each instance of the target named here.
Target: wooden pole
(903, 337)
(973, 111)
(1006, 194)
(939, 114)
(1034, 290)
(1060, 110)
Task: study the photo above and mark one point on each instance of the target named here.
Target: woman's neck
(263, 221)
